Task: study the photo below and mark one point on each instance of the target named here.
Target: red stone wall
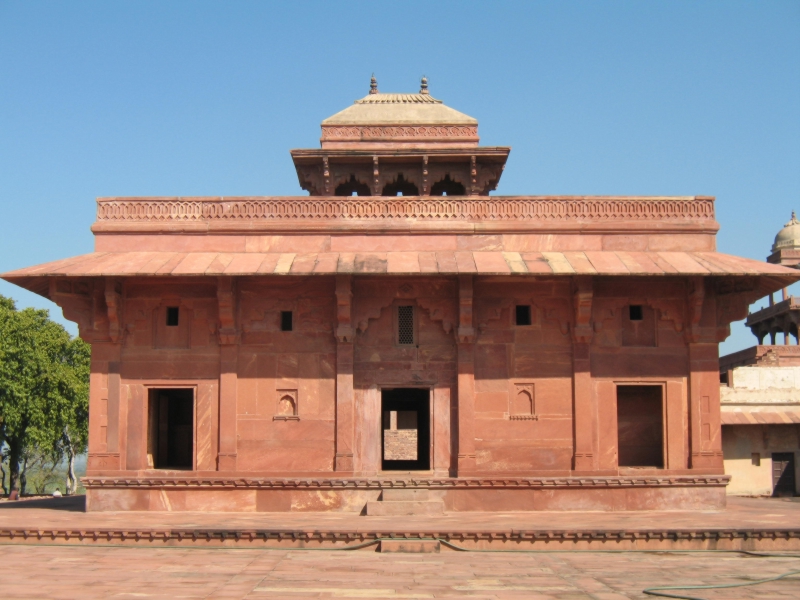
(381, 363)
(273, 364)
(515, 360)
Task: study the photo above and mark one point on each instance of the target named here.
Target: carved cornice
(399, 132)
(327, 483)
(689, 211)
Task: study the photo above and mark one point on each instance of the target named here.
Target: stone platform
(746, 524)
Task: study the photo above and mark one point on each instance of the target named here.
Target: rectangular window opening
(523, 316)
(173, 313)
(405, 325)
(286, 320)
(640, 426)
(636, 312)
(170, 435)
(755, 458)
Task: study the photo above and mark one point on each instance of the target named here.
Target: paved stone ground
(92, 572)
(740, 513)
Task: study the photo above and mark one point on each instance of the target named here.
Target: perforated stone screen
(405, 325)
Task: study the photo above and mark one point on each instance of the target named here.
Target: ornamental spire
(373, 85)
(423, 87)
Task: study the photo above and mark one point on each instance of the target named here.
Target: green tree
(44, 382)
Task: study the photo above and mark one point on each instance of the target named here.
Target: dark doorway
(640, 426)
(783, 474)
(447, 187)
(352, 187)
(170, 439)
(405, 439)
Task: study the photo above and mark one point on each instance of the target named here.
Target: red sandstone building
(401, 340)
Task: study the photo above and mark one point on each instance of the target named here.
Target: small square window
(523, 315)
(286, 320)
(635, 312)
(172, 316)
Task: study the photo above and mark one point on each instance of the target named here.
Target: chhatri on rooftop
(400, 145)
(381, 109)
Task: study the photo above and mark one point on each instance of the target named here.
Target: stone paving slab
(741, 513)
(94, 572)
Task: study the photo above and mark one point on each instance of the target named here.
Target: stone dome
(788, 238)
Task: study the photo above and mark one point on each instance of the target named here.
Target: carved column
(344, 375)
(466, 377)
(228, 373)
(473, 176)
(376, 177)
(584, 408)
(426, 188)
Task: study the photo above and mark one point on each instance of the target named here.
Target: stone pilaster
(704, 410)
(228, 374)
(344, 375)
(584, 402)
(466, 377)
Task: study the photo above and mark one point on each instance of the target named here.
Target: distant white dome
(788, 238)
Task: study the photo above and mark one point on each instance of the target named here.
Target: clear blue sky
(207, 98)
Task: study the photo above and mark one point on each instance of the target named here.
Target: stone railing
(462, 208)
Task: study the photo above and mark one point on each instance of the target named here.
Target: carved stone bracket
(555, 311)
(76, 302)
(466, 331)
(582, 305)
(226, 305)
(697, 296)
(345, 333)
(113, 295)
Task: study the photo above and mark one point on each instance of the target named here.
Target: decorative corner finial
(794, 220)
(373, 85)
(423, 86)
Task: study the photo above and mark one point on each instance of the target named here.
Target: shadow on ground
(68, 503)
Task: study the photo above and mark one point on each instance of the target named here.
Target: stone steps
(401, 502)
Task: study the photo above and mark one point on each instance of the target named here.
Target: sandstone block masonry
(556, 353)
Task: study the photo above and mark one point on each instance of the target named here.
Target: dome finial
(373, 85)
(423, 87)
(788, 238)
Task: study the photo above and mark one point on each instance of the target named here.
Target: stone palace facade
(401, 329)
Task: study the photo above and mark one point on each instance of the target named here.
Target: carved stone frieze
(415, 483)
(450, 208)
(355, 133)
(368, 307)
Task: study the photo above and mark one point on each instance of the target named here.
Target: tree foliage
(44, 389)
